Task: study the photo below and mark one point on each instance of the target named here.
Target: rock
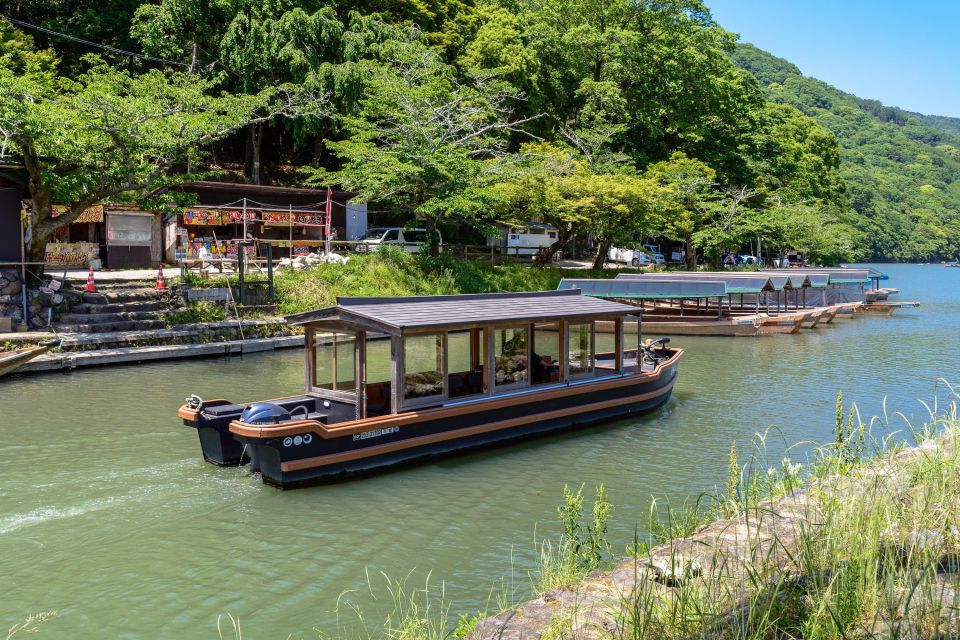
(10, 289)
(672, 570)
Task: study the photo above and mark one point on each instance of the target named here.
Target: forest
(624, 120)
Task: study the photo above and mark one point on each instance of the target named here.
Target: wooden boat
(885, 308)
(829, 313)
(699, 326)
(454, 373)
(784, 323)
(13, 360)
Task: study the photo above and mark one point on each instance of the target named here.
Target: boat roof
(733, 283)
(646, 289)
(396, 316)
(837, 275)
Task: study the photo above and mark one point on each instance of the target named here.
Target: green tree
(110, 132)
(424, 141)
(692, 187)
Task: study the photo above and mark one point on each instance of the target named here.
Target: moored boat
(13, 360)
(395, 380)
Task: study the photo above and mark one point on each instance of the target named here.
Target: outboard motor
(264, 413)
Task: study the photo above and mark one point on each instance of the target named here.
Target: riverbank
(858, 549)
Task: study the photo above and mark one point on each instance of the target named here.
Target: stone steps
(110, 317)
(111, 296)
(176, 335)
(118, 307)
(109, 327)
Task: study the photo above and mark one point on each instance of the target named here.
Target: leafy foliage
(901, 170)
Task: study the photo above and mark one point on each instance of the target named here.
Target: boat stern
(211, 419)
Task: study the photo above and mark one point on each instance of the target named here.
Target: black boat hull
(302, 453)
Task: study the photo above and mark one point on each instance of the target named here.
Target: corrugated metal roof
(646, 289)
(837, 275)
(733, 283)
(395, 315)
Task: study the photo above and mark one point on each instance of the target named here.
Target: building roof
(396, 316)
(213, 193)
(647, 289)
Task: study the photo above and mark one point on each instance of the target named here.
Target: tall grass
(876, 555)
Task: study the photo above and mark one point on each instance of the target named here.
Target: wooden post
(309, 348)
(396, 373)
(618, 345)
(443, 357)
(564, 351)
(489, 373)
(335, 375)
(360, 370)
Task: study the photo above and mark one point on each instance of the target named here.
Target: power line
(92, 44)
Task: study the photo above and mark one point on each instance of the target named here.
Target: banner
(212, 249)
(235, 216)
(90, 214)
(71, 253)
(284, 218)
(207, 217)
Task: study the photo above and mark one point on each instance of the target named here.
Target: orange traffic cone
(161, 285)
(90, 288)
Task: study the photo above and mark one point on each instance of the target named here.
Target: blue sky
(905, 54)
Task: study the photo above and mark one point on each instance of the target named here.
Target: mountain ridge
(902, 169)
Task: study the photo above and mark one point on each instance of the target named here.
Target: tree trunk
(691, 254)
(545, 255)
(254, 142)
(602, 248)
(434, 246)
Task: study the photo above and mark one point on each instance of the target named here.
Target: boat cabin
(368, 357)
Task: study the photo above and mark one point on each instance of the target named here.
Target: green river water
(109, 516)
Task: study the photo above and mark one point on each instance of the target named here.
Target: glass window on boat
(605, 347)
(580, 349)
(631, 338)
(466, 355)
(378, 371)
(510, 357)
(545, 354)
(334, 361)
(423, 367)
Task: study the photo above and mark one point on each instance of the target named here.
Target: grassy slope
(395, 273)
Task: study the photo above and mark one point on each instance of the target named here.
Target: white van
(412, 240)
(632, 257)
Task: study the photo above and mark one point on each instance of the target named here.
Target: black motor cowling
(264, 413)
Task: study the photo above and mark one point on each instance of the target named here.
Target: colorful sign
(236, 216)
(207, 217)
(204, 249)
(90, 214)
(71, 253)
(286, 218)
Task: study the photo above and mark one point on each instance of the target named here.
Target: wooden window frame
(513, 386)
(414, 403)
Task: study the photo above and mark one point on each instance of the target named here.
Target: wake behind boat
(394, 380)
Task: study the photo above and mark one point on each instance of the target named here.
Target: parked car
(412, 240)
(632, 257)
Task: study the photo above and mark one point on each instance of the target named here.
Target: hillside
(902, 169)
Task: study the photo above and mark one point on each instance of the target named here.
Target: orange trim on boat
(412, 417)
(346, 456)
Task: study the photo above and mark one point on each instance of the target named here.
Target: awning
(733, 283)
